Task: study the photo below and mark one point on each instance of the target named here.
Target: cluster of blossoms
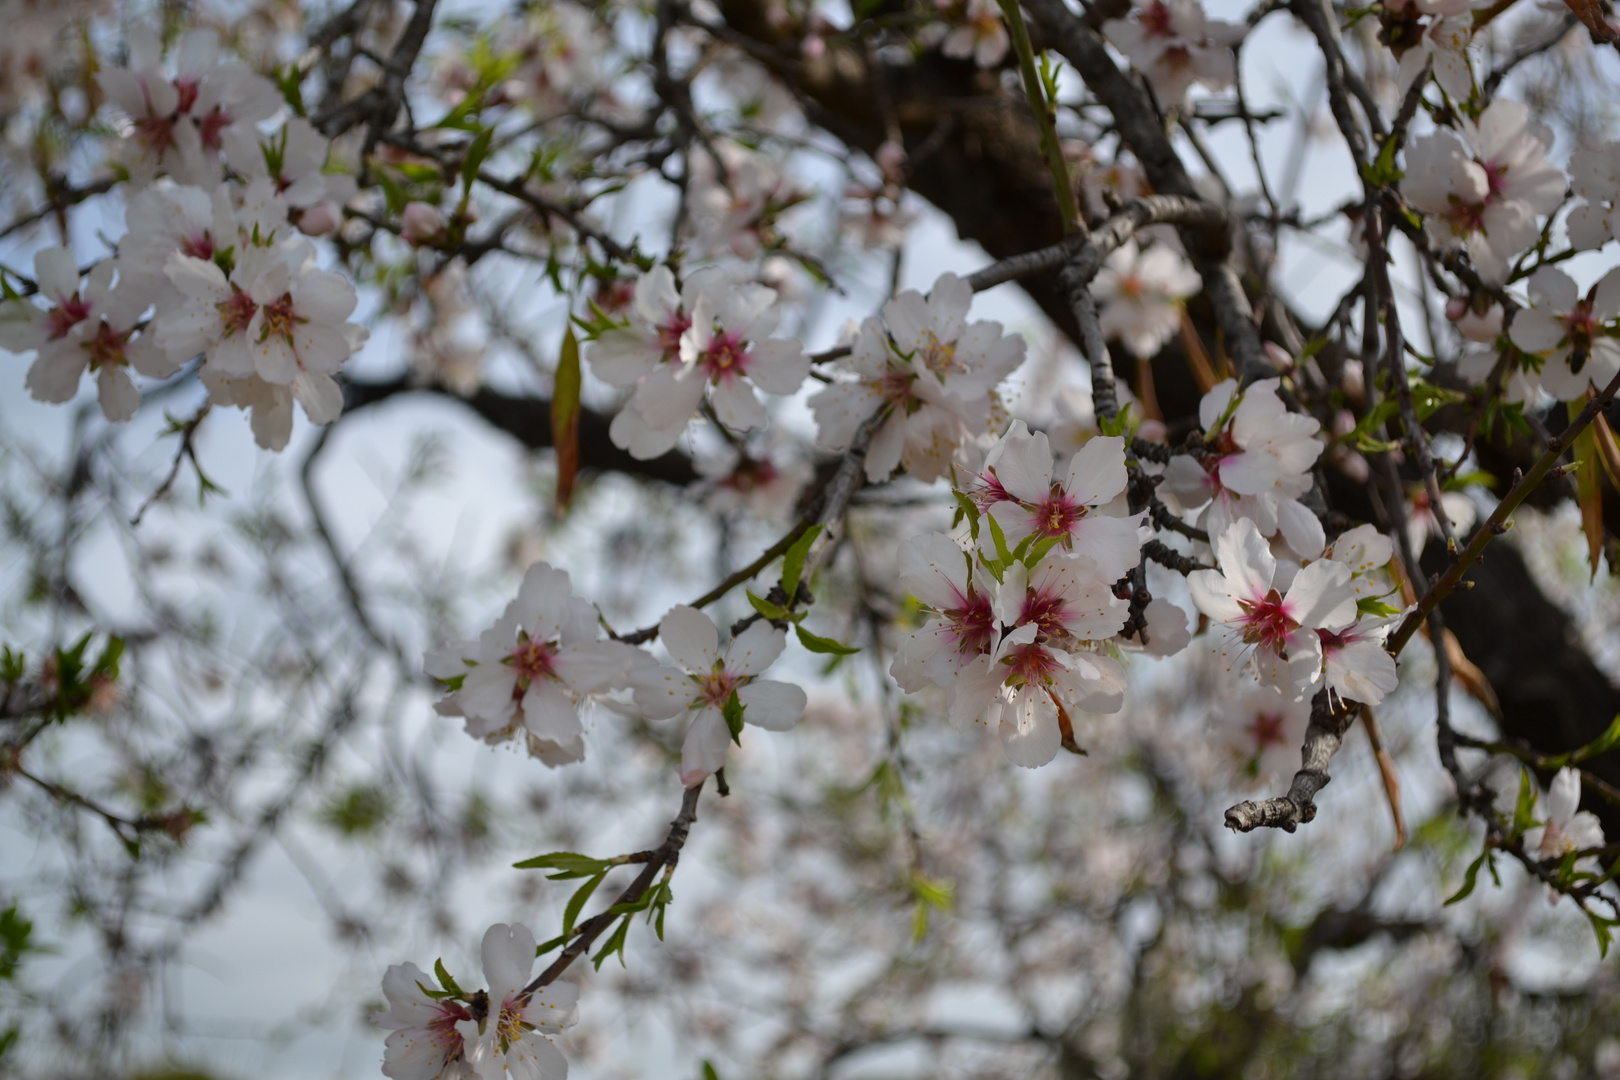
(1021, 611)
(528, 676)
(709, 340)
(1174, 45)
(934, 371)
(1573, 334)
(1482, 185)
(1140, 292)
(1255, 464)
(1313, 632)
(493, 1034)
(210, 268)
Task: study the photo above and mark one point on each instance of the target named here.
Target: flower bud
(421, 223)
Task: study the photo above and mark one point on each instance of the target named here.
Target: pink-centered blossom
(1174, 45)
(1140, 293)
(1566, 827)
(937, 374)
(1256, 464)
(725, 352)
(1259, 624)
(1572, 332)
(706, 679)
(1032, 502)
(1482, 186)
(534, 669)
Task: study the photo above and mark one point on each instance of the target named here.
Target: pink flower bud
(1456, 307)
(320, 219)
(1278, 356)
(1481, 326)
(1153, 431)
(814, 47)
(421, 223)
(891, 158)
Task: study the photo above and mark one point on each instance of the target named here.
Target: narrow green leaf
(576, 903)
(615, 944)
(569, 864)
(445, 980)
(793, 561)
(565, 387)
(547, 946)
(476, 153)
(766, 608)
(733, 712)
(1524, 809)
(1600, 745)
(817, 644)
(1469, 880)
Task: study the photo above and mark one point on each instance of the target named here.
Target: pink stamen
(66, 315)
(726, 358)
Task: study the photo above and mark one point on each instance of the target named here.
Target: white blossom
(1483, 185)
(1174, 44)
(425, 1043)
(1571, 331)
(293, 159)
(180, 123)
(936, 371)
(725, 353)
(513, 1040)
(1140, 293)
(1354, 663)
(1595, 177)
(981, 35)
(1262, 730)
(1277, 632)
(700, 689)
(1447, 41)
(534, 668)
(1029, 501)
(1566, 828)
(1255, 464)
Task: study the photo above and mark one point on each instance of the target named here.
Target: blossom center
(66, 315)
(940, 356)
(1031, 664)
(1046, 610)
(971, 625)
(280, 317)
(1267, 622)
(1057, 516)
(534, 659)
(236, 312)
(1267, 730)
(200, 246)
(211, 127)
(726, 357)
(669, 334)
(106, 349)
(1155, 19)
(716, 689)
(510, 1025)
(186, 90)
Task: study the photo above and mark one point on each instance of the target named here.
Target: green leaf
(1524, 809)
(568, 864)
(546, 946)
(1601, 927)
(565, 388)
(615, 944)
(1003, 555)
(817, 644)
(766, 608)
(1382, 170)
(793, 561)
(1472, 876)
(709, 1072)
(1600, 745)
(1372, 605)
(733, 712)
(931, 895)
(446, 981)
(966, 507)
(576, 903)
